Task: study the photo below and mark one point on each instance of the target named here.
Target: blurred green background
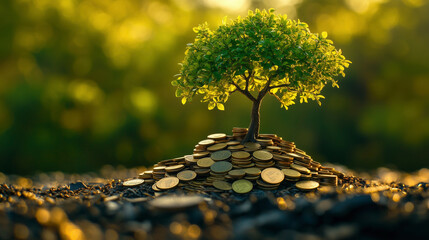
(84, 83)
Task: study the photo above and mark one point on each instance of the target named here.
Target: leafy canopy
(261, 53)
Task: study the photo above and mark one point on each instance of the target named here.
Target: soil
(383, 204)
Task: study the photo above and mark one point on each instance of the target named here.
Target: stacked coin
(219, 170)
(286, 145)
(239, 133)
(251, 147)
(270, 178)
(282, 160)
(252, 173)
(174, 168)
(146, 175)
(222, 163)
(190, 160)
(265, 142)
(291, 174)
(234, 145)
(158, 172)
(242, 159)
(218, 137)
(263, 159)
(327, 179)
(203, 144)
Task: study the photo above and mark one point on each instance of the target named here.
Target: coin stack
(239, 133)
(223, 163)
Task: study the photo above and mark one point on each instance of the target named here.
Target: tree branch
(279, 86)
(247, 81)
(278, 98)
(264, 90)
(245, 92)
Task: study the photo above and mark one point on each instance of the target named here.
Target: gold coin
(217, 147)
(252, 145)
(307, 185)
(252, 171)
(146, 175)
(237, 173)
(275, 148)
(268, 135)
(217, 136)
(174, 168)
(133, 182)
(202, 171)
(221, 167)
(265, 184)
(233, 143)
(290, 173)
(200, 154)
(221, 155)
(222, 185)
(206, 142)
(236, 147)
(159, 169)
(242, 186)
(155, 188)
(167, 183)
(251, 177)
(263, 155)
(239, 129)
(300, 168)
(186, 175)
(190, 159)
(240, 154)
(272, 175)
(205, 162)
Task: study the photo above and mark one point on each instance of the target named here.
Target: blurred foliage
(87, 82)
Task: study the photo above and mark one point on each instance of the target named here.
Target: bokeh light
(87, 83)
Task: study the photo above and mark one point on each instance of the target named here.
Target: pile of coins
(222, 163)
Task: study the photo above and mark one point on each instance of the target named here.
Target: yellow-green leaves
(212, 105)
(220, 106)
(324, 34)
(251, 52)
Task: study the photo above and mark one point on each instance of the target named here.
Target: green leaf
(212, 105)
(179, 92)
(220, 106)
(324, 34)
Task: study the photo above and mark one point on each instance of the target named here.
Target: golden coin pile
(223, 163)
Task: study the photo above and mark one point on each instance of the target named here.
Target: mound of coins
(223, 163)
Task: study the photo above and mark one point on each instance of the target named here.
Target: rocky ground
(383, 204)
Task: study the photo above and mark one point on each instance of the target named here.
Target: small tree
(263, 53)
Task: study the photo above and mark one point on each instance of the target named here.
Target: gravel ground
(378, 205)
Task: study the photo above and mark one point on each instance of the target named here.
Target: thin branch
(247, 81)
(279, 86)
(247, 78)
(278, 98)
(264, 90)
(246, 93)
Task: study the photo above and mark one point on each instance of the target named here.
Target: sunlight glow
(144, 100)
(235, 5)
(85, 91)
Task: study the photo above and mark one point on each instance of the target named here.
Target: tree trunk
(253, 132)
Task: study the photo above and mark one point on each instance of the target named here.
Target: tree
(263, 53)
